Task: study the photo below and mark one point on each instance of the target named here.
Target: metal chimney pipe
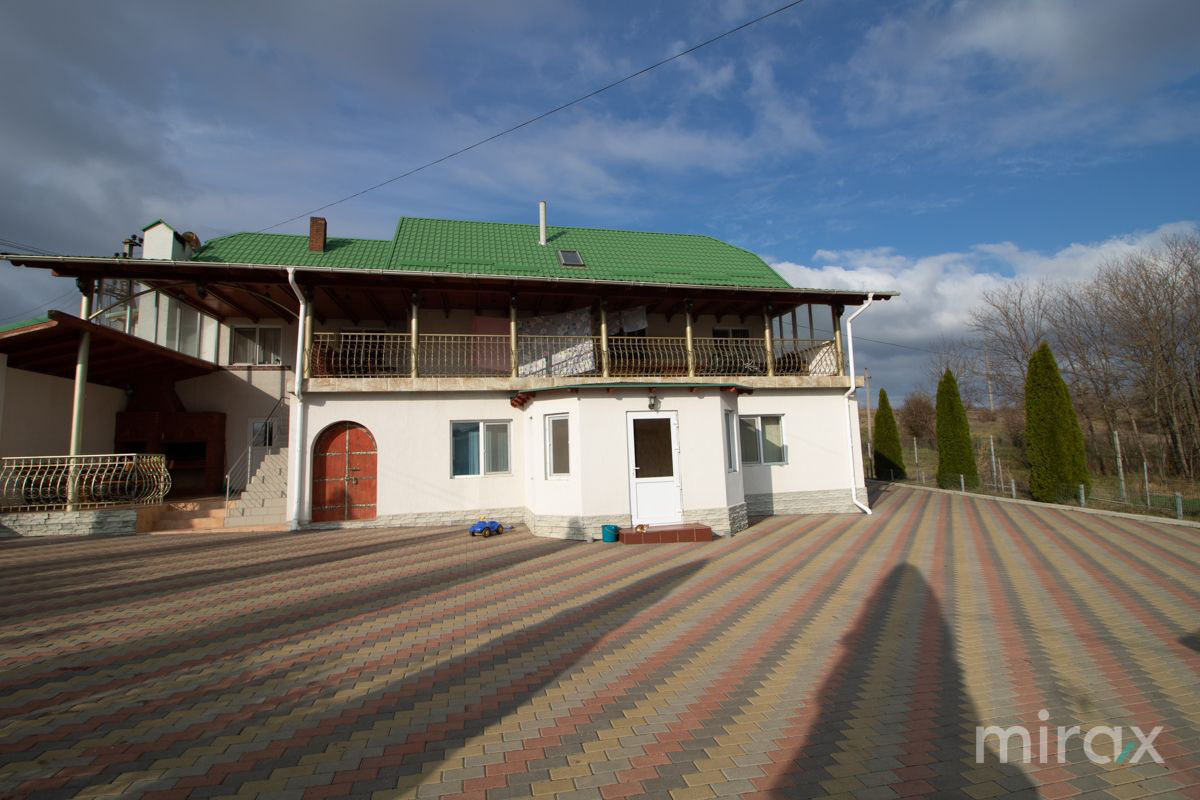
(542, 222)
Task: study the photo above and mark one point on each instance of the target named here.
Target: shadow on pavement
(895, 703)
(452, 700)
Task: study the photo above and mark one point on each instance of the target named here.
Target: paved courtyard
(843, 656)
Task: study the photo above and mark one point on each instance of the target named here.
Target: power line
(44, 304)
(37, 250)
(541, 116)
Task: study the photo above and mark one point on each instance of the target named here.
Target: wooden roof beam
(377, 304)
(229, 301)
(342, 305)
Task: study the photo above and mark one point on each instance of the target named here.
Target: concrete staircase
(264, 501)
(205, 513)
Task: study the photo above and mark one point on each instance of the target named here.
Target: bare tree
(1011, 323)
(964, 360)
(918, 416)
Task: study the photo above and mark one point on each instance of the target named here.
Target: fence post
(1082, 497)
(962, 482)
(1146, 480)
(916, 453)
(992, 448)
(1014, 488)
(1120, 465)
(893, 475)
(1178, 505)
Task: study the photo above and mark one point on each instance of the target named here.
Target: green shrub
(889, 455)
(955, 456)
(1053, 439)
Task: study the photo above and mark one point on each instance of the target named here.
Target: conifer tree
(1053, 439)
(889, 455)
(955, 455)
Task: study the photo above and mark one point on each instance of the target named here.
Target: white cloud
(937, 292)
(998, 75)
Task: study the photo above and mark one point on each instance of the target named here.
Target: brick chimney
(316, 234)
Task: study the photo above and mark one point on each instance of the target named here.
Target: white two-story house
(557, 376)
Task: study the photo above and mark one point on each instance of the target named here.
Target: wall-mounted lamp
(655, 402)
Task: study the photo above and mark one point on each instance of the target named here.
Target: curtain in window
(560, 447)
(772, 440)
(749, 437)
(496, 447)
(465, 447)
(270, 341)
(242, 347)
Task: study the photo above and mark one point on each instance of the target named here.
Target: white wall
(412, 434)
(814, 426)
(242, 395)
(559, 495)
(35, 416)
(600, 450)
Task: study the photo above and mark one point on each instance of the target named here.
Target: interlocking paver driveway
(845, 656)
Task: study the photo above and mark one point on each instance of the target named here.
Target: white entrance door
(655, 494)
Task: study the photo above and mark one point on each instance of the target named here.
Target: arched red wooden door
(344, 473)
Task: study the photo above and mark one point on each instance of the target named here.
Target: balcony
(392, 355)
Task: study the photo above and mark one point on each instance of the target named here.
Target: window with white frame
(558, 446)
(731, 428)
(762, 440)
(255, 345)
(478, 448)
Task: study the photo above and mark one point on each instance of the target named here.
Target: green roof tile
(12, 326)
(494, 248)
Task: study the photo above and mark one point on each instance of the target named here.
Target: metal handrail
(239, 471)
(52, 483)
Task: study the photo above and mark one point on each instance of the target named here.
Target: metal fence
(381, 355)
(1145, 500)
(52, 483)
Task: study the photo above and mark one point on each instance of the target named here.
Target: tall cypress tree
(1053, 439)
(889, 455)
(955, 455)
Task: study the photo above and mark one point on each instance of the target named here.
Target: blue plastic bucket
(609, 532)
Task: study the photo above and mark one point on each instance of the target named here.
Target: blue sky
(938, 148)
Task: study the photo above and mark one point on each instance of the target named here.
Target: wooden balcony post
(767, 341)
(308, 340)
(82, 357)
(604, 366)
(835, 313)
(412, 344)
(691, 351)
(512, 335)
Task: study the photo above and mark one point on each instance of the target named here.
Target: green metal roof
(503, 249)
(12, 326)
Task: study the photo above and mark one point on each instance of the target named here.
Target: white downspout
(850, 398)
(296, 444)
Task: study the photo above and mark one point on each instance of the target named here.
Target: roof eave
(27, 260)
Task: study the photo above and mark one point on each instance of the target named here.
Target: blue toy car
(486, 527)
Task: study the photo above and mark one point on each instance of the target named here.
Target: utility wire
(51, 303)
(41, 251)
(543, 115)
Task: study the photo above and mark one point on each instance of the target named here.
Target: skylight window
(570, 258)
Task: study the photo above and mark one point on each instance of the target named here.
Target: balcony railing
(390, 355)
(51, 483)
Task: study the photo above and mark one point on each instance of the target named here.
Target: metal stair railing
(238, 476)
